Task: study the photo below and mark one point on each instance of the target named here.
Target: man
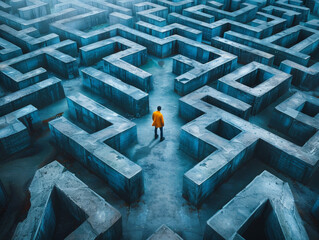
(158, 122)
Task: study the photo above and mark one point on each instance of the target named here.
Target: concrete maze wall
(238, 82)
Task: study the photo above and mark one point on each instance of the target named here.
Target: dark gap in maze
(298, 140)
(309, 109)
(33, 63)
(266, 19)
(303, 34)
(96, 27)
(223, 129)
(3, 91)
(262, 225)
(61, 216)
(308, 133)
(255, 78)
(132, 171)
(215, 102)
(294, 38)
(85, 122)
(314, 57)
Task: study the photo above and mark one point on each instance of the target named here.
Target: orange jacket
(158, 120)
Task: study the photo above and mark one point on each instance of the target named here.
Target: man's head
(159, 108)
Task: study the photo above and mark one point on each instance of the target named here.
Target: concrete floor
(163, 165)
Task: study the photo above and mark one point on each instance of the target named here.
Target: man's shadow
(144, 150)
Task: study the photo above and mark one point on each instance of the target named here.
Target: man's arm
(162, 120)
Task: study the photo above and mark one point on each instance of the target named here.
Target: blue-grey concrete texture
(94, 137)
(163, 32)
(164, 165)
(302, 9)
(123, 64)
(8, 50)
(256, 84)
(151, 13)
(25, 39)
(128, 97)
(219, 27)
(283, 45)
(116, 17)
(298, 118)
(304, 77)
(164, 232)
(245, 54)
(15, 130)
(202, 100)
(53, 186)
(245, 13)
(225, 141)
(266, 197)
(314, 23)
(30, 68)
(40, 95)
(79, 24)
(292, 17)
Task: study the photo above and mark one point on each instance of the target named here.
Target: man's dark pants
(161, 129)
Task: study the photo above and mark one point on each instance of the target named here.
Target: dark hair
(159, 108)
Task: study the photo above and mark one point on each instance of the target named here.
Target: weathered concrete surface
(266, 197)
(256, 84)
(292, 17)
(169, 30)
(295, 44)
(197, 65)
(303, 77)
(121, 64)
(25, 40)
(27, 69)
(128, 97)
(295, 7)
(81, 26)
(120, 18)
(223, 142)
(254, 29)
(54, 189)
(313, 24)
(162, 201)
(91, 148)
(215, 63)
(298, 118)
(151, 13)
(39, 95)
(5, 7)
(202, 100)
(244, 14)
(15, 129)
(88, 22)
(164, 233)
(245, 54)
(177, 6)
(8, 50)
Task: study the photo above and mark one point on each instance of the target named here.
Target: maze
(55, 194)
(266, 197)
(238, 83)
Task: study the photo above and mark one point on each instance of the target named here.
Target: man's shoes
(162, 139)
(156, 136)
